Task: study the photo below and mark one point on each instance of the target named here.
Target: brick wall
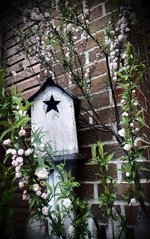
(28, 82)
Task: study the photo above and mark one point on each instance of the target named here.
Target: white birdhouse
(54, 112)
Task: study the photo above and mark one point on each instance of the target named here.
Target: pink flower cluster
(37, 189)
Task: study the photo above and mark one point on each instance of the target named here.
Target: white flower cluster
(41, 173)
(118, 40)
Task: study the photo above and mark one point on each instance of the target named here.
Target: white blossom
(46, 14)
(45, 211)
(127, 174)
(66, 203)
(28, 152)
(36, 187)
(41, 173)
(7, 142)
(120, 37)
(122, 132)
(133, 201)
(125, 114)
(122, 101)
(127, 147)
(131, 124)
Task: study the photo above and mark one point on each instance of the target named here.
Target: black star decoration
(51, 104)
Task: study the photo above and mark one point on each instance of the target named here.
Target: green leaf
(5, 133)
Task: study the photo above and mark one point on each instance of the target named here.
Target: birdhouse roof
(50, 83)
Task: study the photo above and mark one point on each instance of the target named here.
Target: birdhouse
(54, 111)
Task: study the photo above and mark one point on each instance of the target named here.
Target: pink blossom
(24, 197)
(14, 163)
(44, 195)
(8, 151)
(45, 211)
(22, 132)
(17, 169)
(19, 159)
(21, 184)
(20, 152)
(14, 157)
(7, 142)
(18, 175)
(13, 152)
(38, 193)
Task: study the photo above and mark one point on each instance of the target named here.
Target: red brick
(86, 151)
(141, 99)
(89, 44)
(131, 214)
(85, 191)
(91, 136)
(118, 92)
(92, 54)
(97, 212)
(146, 118)
(96, 12)
(98, 84)
(105, 116)
(97, 101)
(90, 172)
(100, 68)
(98, 24)
(27, 94)
(110, 6)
